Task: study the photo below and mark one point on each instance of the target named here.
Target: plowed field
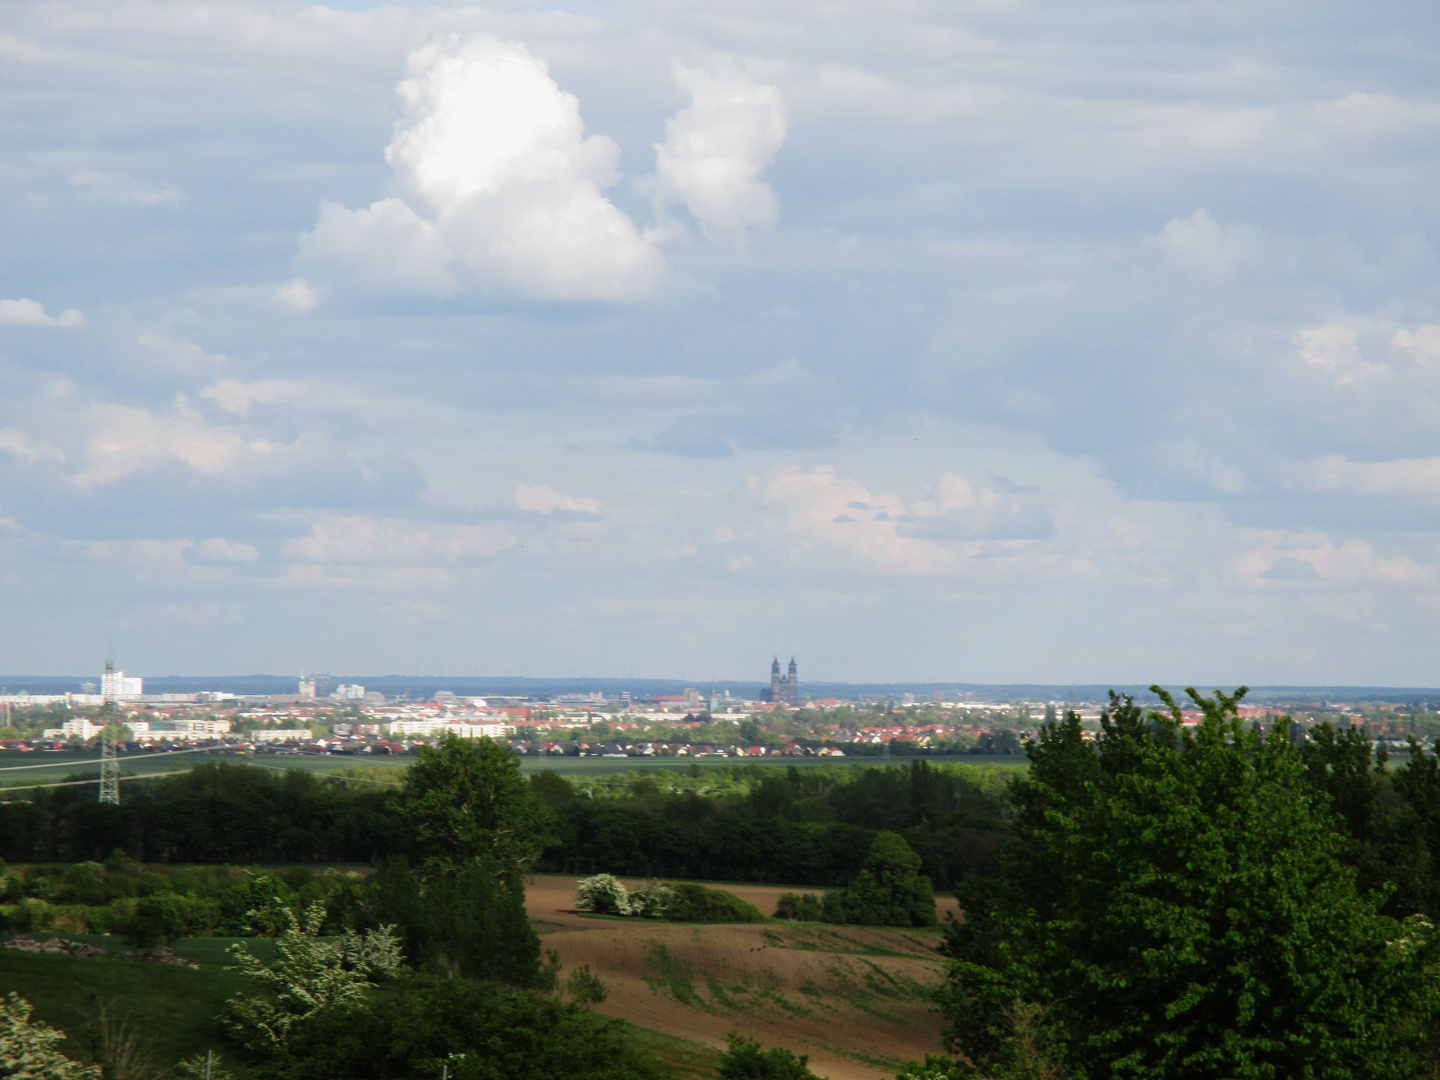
(853, 998)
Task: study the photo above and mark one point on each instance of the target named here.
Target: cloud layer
(655, 338)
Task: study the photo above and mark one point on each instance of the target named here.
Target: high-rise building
(307, 686)
(114, 686)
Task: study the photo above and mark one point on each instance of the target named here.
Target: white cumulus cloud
(504, 191)
(1422, 343)
(298, 296)
(1199, 245)
(716, 149)
(27, 312)
(545, 500)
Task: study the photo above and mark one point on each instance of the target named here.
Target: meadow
(21, 770)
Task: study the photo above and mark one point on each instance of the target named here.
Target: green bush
(805, 907)
(585, 986)
(479, 1031)
(744, 1060)
(696, 903)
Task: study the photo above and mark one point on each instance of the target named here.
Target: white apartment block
(281, 735)
(466, 729)
(79, 728)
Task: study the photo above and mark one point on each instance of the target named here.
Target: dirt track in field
(852, 998)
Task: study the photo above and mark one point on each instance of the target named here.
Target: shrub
(653, 900)
(802, 906)
(475, 1031)
(27, 1048)
(696, 903)
(585, 986)
(602, 894)
(744, 1060)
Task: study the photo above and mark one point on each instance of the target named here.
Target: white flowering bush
(309, 974)
(602, 894)
(652, 900)
(27, 1048)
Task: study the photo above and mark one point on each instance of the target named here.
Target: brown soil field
(855, 999)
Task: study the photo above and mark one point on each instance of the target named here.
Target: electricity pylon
(109, 772)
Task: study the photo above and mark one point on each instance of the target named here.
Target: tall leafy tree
(1177, 904)
(888, 891)
(465, 799)
(478, 828)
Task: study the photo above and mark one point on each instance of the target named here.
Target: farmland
(853, 998)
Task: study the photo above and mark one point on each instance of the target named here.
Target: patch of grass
(720, 994)
(673, 975)
(176, 1008)
(678, 1058)
(888, 1064)
(815, 937)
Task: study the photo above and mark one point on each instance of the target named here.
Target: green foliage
(464, 919)
(551, 788)
(156, 920)
(585, 986)
(888, 891)
(479, 1031)
(672, 901)
(201, 1067)
(698, 904)
(1177, 904)
(938, 1067)
(653, 900)
(744, 1060)
(27, 1047)
(802, 906)
(465, 799)
(308, 976)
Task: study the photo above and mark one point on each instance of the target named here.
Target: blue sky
(993, 341)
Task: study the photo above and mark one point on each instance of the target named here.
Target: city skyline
(995, 344)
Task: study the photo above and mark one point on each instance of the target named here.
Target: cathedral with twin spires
(783, 688)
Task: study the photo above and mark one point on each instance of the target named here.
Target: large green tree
(888, 891)
(465, 799)
(1176, 903)
(477, 828)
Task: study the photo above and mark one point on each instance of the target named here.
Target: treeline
(793, 827)
(215, 813)
(809, 827)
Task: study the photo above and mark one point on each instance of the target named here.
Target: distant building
(343, 692)
(114, 686)
(307, 686)
(783, 688)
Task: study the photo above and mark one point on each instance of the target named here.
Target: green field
(56, 766)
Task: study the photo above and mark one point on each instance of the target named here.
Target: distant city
(319, 713)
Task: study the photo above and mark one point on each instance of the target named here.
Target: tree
(308, 976)
(1175, 904)
(888, 891)
(27, 1047)
(465, 799)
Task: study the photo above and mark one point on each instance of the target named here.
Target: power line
(93, 761)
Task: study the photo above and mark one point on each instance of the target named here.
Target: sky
(994, 341)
